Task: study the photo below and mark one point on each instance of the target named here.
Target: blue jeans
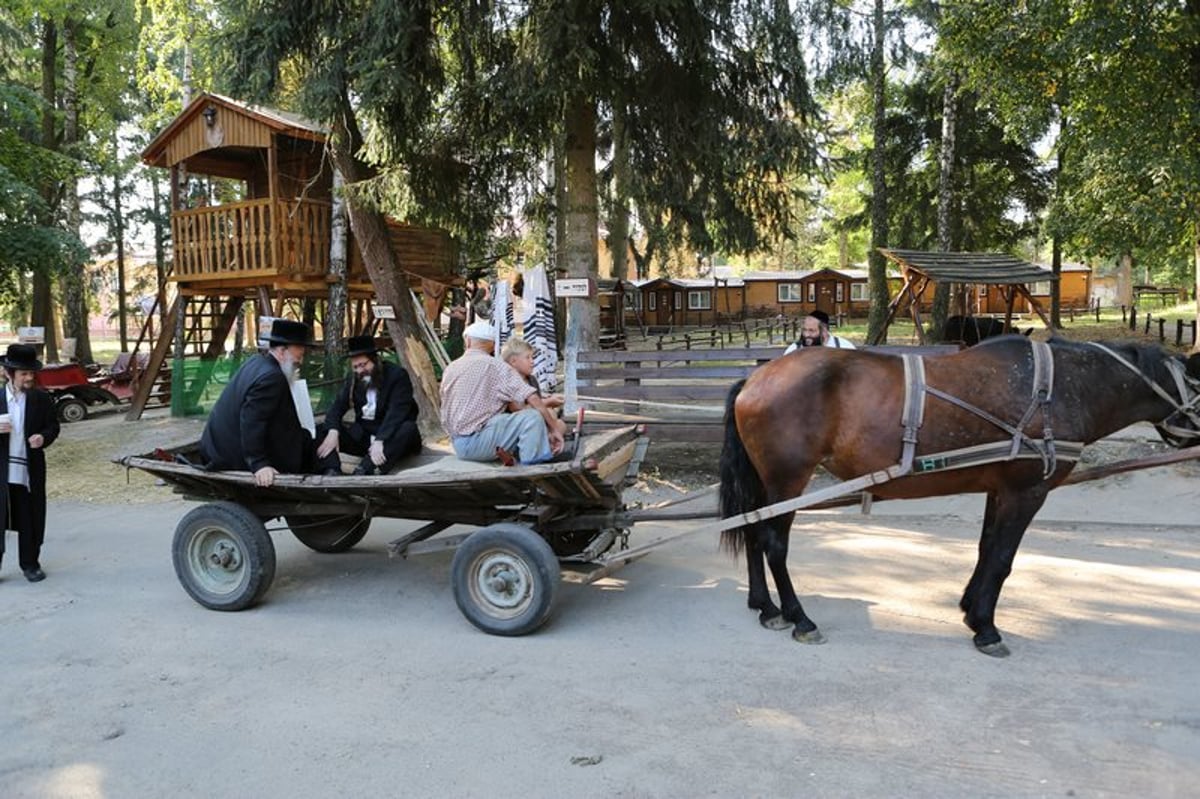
(523, 431)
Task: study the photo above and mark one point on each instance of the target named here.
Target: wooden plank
(674, 373)
(662, 393)
(679, 356)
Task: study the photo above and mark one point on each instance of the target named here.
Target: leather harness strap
(1021, 445)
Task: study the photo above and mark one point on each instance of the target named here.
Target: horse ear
(1193, 364)
(1028, 333)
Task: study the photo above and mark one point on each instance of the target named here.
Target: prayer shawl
(502, 314)
(537, 323)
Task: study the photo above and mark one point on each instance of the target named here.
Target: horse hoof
(996, 650)
(776, 622)
(812, 636)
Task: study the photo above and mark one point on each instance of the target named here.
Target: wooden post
(273, 213)
(1162, 336)
(1132, 317)
(1146, 329)
(1178, 332)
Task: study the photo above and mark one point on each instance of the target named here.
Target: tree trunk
(1056, 244)
(335, 313)
(42, 311)
(945, 217)
(1125, 280)
(877, 279)
(119, 236)
(74, 279)
(391, 287)
(582, 218)
(618, 224)
(161, 222)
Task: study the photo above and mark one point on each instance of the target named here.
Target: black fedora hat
(360, 345)
(286, 332)
(21, 356)
(820, 316)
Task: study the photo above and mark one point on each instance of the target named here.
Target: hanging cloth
(502, 313)
(537, 322)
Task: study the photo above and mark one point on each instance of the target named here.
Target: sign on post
(383, 311)
(31, 335)
(573, 287)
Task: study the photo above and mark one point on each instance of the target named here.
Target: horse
(994, 419)
(970, 330)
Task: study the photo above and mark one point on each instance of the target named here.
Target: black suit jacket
(40, 417)
(394, 406)
(254, 423)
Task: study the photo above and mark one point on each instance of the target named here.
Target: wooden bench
(678, 395)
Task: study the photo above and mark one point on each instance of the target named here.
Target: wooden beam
(158, 357)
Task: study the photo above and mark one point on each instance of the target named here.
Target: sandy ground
(358, 676)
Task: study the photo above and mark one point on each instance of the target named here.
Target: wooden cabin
(834, 291)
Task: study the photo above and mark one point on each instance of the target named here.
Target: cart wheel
(505, 578)
(223, 556)
(329, 534)
(71, 410)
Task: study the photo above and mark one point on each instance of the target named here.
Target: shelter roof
(969, 267)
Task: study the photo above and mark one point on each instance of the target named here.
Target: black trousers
(355, 439)
(20, 518)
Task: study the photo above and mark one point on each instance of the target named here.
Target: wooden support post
(158, 357)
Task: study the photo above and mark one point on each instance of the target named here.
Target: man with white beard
(254, 425)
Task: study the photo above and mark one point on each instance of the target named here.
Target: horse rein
(1186, 405)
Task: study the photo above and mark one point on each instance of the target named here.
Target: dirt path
(359, 677)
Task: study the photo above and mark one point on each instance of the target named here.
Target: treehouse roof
(969, 267)
(215, 122)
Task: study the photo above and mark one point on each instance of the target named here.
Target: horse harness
(1185, 406)
(1020, 446)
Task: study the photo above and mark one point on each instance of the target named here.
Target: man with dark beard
(254, 425)
(814, 332)
(384, 428)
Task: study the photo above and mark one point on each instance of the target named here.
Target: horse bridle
(1188, 404)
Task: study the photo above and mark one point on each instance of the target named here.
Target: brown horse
(843, 409)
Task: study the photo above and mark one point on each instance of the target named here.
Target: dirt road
(359, 678)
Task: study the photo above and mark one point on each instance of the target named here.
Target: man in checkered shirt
(477, 390)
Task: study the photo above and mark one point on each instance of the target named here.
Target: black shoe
(366, 467)
(34, 575)
(331, 472)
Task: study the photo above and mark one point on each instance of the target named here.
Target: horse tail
(741, 488)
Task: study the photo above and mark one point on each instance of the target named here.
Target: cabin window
(699, 301)
(812, 292)
(841, 292)
(1040, 288)
(788, 292)
(653, 301)
(858, 292)
(678, 300)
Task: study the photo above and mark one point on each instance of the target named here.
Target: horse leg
(1012, 511)
(769, 615)
(985, 543)
(804, 630)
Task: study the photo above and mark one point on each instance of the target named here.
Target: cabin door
(827, 297)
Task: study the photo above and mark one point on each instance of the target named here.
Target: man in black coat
(254, 425)
(384, 429)
(28, 425)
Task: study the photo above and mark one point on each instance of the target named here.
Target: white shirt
(368, 408)
(18, 464)
(833, 341)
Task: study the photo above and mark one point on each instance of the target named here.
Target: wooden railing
(246, 239)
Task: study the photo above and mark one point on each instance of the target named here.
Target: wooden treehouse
(258, 236)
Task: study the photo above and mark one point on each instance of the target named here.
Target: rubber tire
(527, 563)
(71, 410)
(329, 534)
(230, 528)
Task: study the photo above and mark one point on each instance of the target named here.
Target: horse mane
(1148, 357)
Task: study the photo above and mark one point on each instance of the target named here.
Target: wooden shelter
(271, 245)
(1011, 276)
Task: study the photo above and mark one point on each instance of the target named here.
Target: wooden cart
(531, 520)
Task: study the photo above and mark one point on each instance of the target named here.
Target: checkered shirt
(475, 388)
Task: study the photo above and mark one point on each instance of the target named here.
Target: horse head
(1176, 381)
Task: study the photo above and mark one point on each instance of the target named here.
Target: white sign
(264, 331)
(383, 311)
(573, 287)
(31, 335)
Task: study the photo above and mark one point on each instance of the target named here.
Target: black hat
(820, 316)
(286, 332)
(21, 356)
(360, 345)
